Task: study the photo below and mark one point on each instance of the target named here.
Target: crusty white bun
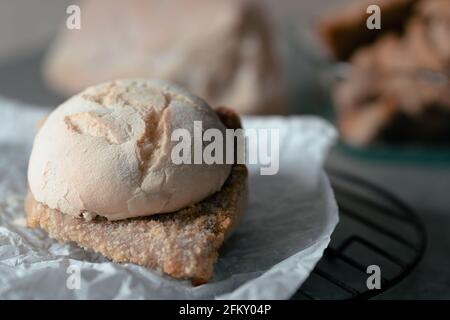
(107, 152)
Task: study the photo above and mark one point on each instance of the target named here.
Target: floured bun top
(107, 152)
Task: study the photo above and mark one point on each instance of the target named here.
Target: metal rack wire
(375, 228)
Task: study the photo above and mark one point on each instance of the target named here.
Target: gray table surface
(426, 188)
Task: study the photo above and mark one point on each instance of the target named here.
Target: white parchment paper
(283, 234)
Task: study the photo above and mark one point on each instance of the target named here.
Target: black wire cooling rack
(375, 228)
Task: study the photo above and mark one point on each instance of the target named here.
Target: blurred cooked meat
(345, 31)
(400, 80)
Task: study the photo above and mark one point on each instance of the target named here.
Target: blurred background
(28, 28)
(386, 90)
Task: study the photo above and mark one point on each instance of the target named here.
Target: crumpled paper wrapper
(287, 226)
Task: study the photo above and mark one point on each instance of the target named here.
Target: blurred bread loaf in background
(220, 50)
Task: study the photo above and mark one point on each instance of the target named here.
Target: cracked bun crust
(118, 134)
